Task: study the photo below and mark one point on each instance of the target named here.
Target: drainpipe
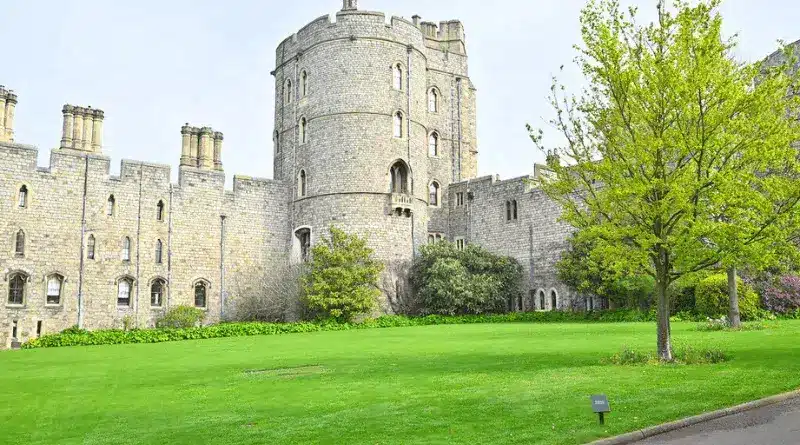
(222, 267)
(169, 250)
(138, 244)
(408, 143)
(83, 239)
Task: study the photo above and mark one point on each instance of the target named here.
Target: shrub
(80, 337)
(274, 297)
(181, 317)
(711, 298)
(341, 280)
(682, 355)
(783, 297)
(449, 281)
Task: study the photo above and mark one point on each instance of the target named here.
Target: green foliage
(80, 337)
(668, 147)
(684, 355)
(711, 298)
(180, 317)
(341, 279)
(723, 324)
(450, 281)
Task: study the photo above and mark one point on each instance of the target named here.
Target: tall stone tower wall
(336, 102)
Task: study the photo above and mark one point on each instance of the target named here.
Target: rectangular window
(14, 325)
(460, 243)
(39, 328)
(459, 199)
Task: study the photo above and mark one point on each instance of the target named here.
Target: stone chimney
(8, 104)
(82, 128)
(201, 148)
(349, 5)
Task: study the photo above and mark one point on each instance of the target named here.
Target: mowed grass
(456, 384)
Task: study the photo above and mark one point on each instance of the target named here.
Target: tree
(670, 136)
(450, 281)
(341, 279)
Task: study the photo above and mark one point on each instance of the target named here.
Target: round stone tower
(373, 120)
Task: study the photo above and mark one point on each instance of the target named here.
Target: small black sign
(600, 404)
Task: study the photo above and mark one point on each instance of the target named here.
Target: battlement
(201, 147)
(8, 103)
(82, 128)
(352, 23)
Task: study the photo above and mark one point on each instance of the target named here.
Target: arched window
(23, 196)
(303, 243)
(301, 184)
(276, 138)
(398, 125)
(200, 294)
(397, 77)
(433, 100)
(508, 210)
(90, 247)
(157, 292)
(126, 249)
(160, 211)
(288, 91)
(16, 289)
(159, 251)
(54, 284)
(399, 177)
(433, 194)
(553, 300)
(19, 244)
(303, 130)
(124, 292)
(431, 239)
(304, 84)
(433, 144)
(110, 206)
(541, 300)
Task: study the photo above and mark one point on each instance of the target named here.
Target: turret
(8, 103)
(82, 128)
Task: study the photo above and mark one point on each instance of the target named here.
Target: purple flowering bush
(783, 296)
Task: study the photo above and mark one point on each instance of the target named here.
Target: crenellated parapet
(82, 129)
(8, 103)
(201, 147)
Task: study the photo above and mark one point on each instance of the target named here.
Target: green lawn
(456, 384)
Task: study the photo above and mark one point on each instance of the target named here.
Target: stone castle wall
(343, 88)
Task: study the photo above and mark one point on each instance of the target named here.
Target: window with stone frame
(553, 300)
(397, 127)
(159, 252)
(433, 194)
(288, 91)
(399, 177)
(126, 249)
(460, 243)
(301, 184)
(200, 294)
(160, 211)
(459, 199)
(433, 144)
(22, 200)
(304, 84)
(303, 239)
(90, 246)
(431, 239)
(55, 283)
(433, 100)
(276, 138)
(17, 284)
(541, 300)
(303, 130)
(19, 244)
(157, 292)
(110, 204)
(397, 77)
(124, 286)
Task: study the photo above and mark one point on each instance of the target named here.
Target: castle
(375, 132)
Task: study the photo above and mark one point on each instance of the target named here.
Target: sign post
(600, 406)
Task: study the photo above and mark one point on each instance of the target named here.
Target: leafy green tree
(449, 281)
(340, 281)
(669, 146)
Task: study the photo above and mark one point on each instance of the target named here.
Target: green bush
(181, 317)
(451, 281)
(340, 282)
(79, 337)
(711, 298)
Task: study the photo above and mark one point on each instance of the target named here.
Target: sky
(153, 65)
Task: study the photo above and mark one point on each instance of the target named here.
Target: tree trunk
(664, 344)
(733, 314)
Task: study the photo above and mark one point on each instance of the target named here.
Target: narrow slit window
(398, 125)
(433, 144)
(304, 84)
(90, 246)
(110, 204)
(126, 249)
(160, 211)
(397, 77)
(289, 91)
(301, 184)
(159, 251)
(23, 196)
(433, 101)
(433, 191)
(19, 245)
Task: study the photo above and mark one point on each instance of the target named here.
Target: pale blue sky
(154, 64)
